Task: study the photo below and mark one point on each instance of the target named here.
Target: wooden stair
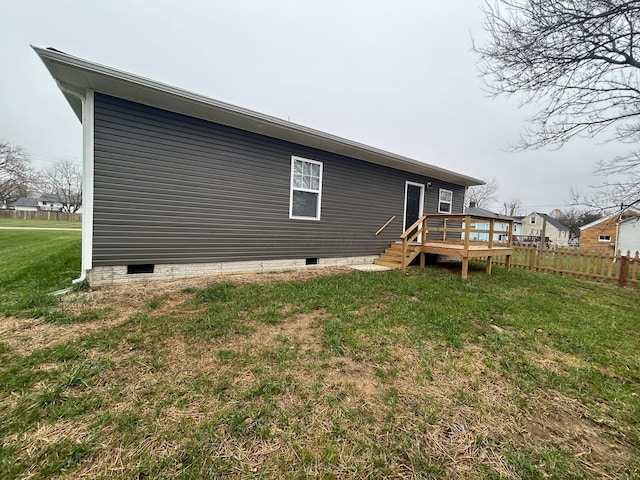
(392, 256)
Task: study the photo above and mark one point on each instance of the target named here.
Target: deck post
(422, 259)
(491, 230)
(489, 262)
(507, 262)
(465, 267)
(467, 231)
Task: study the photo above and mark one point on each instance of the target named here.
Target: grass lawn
(32, 264)
(16, 222)
(342, 375)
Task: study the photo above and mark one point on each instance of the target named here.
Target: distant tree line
(18, 179)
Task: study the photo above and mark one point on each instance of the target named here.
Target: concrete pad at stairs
(369, 267)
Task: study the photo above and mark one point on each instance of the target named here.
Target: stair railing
(409, 236)
(386, 224)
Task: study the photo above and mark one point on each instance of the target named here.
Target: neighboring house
(601, 236)
(556, 233)
(49, 202)
(25, 204)
(500, 233)
(178, 184)
(517, 227)
(629, 235)
(45, 202)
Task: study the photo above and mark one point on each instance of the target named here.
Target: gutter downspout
(617, 243)
(87, 177)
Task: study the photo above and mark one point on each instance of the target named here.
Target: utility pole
(543, 235)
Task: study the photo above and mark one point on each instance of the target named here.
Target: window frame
(533, 220)
(604, 238)
(450, 202)
(293, 188)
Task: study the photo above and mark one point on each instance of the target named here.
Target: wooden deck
(458, 235)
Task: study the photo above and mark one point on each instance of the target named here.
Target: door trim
(406, 189)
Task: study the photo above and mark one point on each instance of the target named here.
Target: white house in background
(25, 204)
(47, 202)
(557, 233)
(629, 235)
(500, 233)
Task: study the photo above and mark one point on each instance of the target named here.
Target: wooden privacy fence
(41, 215)
(619, 269)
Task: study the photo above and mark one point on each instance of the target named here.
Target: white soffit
(81, 74)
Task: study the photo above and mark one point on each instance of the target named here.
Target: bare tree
(577, 62)
(512, 208)
(64, 180)
(15, 173)
(482, 195)
(575, 218)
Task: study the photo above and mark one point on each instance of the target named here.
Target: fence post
(623, 269)
(532, 257)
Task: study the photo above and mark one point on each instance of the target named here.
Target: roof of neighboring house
(75, 74)
(608, 217)
(26, 202)
(486, 213)
(48, 197)
(551, 220)
(634, 218)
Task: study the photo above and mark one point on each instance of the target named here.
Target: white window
(445, 201)
(532, 220)
(306, 189)
(604, 238)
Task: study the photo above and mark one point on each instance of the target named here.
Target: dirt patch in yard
(24, 335)
(480, 404)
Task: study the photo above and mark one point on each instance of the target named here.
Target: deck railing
(460, 228)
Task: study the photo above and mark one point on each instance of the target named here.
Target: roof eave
(79, 73)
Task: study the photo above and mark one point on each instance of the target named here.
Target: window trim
(533, 220)
(309, 190)
(450, 202)
(604, 238)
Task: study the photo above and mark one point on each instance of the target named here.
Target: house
(556, 233)
(498, 236)
(178, 184)
(629, 235)
(602, 236)
(45, 202)
(25, 204)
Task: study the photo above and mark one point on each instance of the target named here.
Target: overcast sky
(395, 75)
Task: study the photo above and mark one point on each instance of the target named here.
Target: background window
(306, 188)
(445, 201)
(604, 238)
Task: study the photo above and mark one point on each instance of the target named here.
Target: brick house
(602, 235)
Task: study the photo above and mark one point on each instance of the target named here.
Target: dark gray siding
(175, 189)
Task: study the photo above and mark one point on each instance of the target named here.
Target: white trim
(611, 215)
(84, 74)
(87, 181)
(440, 201)
(601, 239)
(310, 190)
(406, 189)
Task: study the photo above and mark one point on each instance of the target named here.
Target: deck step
(390, 258)
(393, 256)
(384, 263)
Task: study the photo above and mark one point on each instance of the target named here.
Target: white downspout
(617, 243)
(87, 178)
